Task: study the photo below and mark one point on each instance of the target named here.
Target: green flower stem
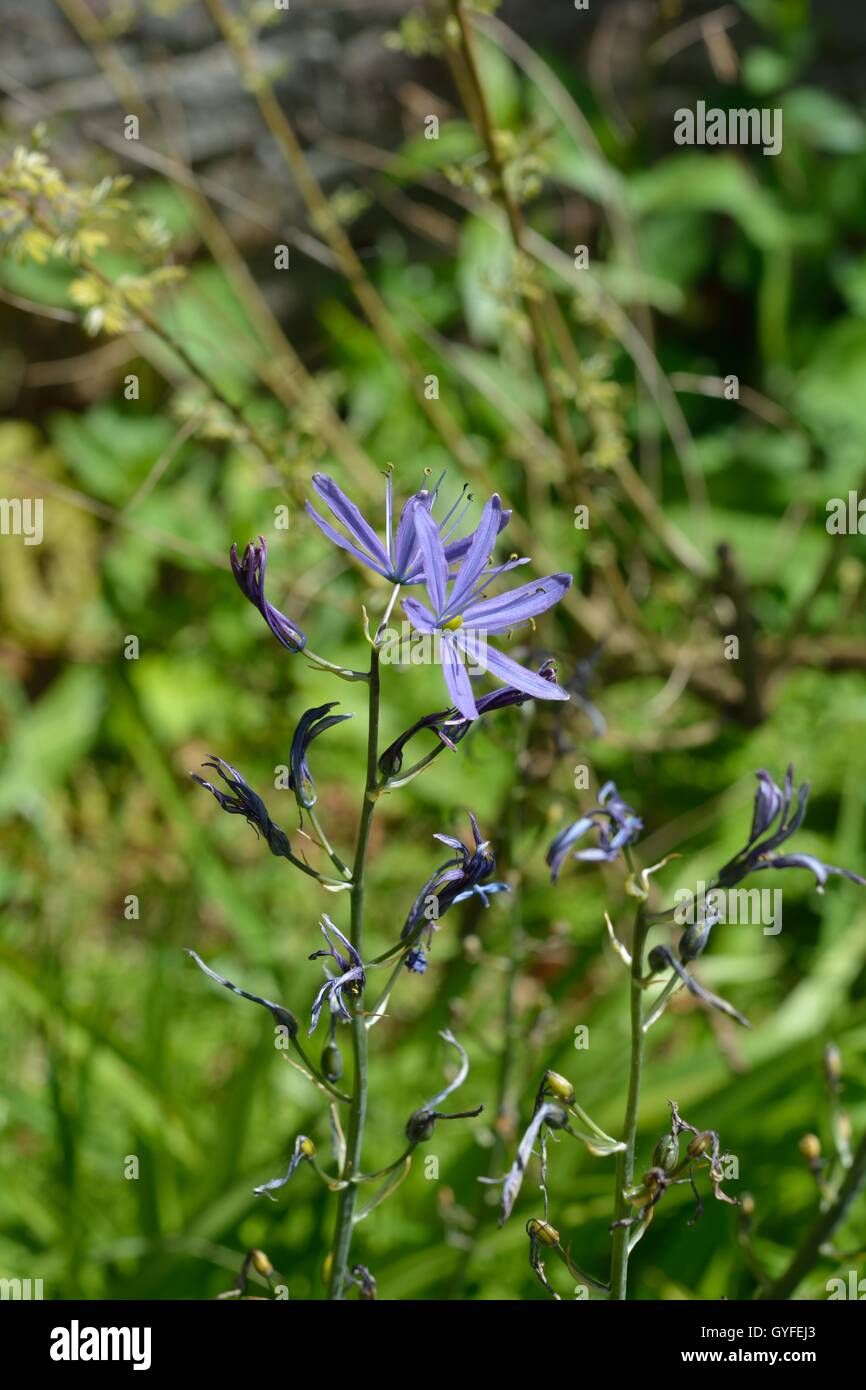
(809, 1252)
(625, 1159)
(338, 1284)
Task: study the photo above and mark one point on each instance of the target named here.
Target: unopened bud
(542, 1231)
(559, 1086)
(701, 1143)
(332, 1062)
(667, 1152)
(261, 1264)
(810, 1147)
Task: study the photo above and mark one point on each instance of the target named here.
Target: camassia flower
(462, 619)
(399, 559)
(453, 882)
(250, 575)
(773, 804)
(352, 974)
(617, 826)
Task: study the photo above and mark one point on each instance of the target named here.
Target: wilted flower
(421, 1124)
(453, 882)
(773, 803)
(312, 723)
(282, 1016)
(352, 975)
(250, 575)
(462, 620)
(241, 800)
(451, 727)
(399, 559)
(662, 956)
(617, 825)
(304, 1148)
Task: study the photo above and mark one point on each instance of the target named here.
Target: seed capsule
(810, 1147)
(307, 1147)
(666, 1153)
(420, 1126)
(261, 1264)
(557, 1117)
(701, 1143)
(542, 1231)
(559, 1086)
(332, 1062)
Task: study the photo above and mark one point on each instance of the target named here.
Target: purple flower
(352, 975)
(250, 575)
(312, 723)
(399, 559)
(462, 877)
(461, 619)
(774, 804)
(241, 800)
(451, 727)
(616, 823)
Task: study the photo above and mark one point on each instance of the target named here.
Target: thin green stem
(338, 1283)
(625, 1160)
(821, 1232)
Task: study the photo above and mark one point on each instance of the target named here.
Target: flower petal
(340, 540)
(477, 556)
(351, 517)
(457, 677)
(419, 615)
(511, 673)
(433, 557)
(506, 610)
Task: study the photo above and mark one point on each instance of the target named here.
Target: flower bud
(332, 1062)
(810, 1147)
(701, 1143)
(667, 1152)
(559, 1086)
(261, 1263)
(542, 1231)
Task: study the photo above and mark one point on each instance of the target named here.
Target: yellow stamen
(454, 623)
